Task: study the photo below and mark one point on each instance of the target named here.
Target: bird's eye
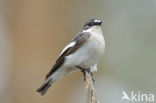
(89, 24)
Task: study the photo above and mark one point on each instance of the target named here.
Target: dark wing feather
(79, 40)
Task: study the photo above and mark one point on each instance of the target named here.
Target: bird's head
(91, 23)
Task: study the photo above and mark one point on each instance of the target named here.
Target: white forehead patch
(97, 21)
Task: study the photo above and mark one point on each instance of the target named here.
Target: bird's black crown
(91, 23)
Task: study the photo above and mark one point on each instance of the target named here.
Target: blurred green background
(33, 33)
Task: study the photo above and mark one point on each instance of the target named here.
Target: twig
(90, 87)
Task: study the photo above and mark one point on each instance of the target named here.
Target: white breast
(90, 53)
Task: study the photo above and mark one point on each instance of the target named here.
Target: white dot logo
(125, 96)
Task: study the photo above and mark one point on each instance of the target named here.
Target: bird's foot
(83, 70)
(92, 77)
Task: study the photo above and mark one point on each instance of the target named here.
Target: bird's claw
(83, 70)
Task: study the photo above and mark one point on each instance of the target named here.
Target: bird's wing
(75, 44)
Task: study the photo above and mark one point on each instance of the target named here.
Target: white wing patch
(68, 46)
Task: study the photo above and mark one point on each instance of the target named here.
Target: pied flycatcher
(83, 53)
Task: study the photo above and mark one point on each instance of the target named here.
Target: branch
(90, 87)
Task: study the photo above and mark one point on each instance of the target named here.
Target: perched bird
(82, 53)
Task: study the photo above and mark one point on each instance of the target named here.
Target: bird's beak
(100, 23)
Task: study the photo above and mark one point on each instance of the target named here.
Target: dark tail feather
(43, 89)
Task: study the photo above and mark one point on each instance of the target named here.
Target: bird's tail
(45, 86)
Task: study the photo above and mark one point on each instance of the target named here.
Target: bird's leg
(92, 77)
(83, 70)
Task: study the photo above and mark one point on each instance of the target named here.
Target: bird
(83, 53)
(125, 96)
